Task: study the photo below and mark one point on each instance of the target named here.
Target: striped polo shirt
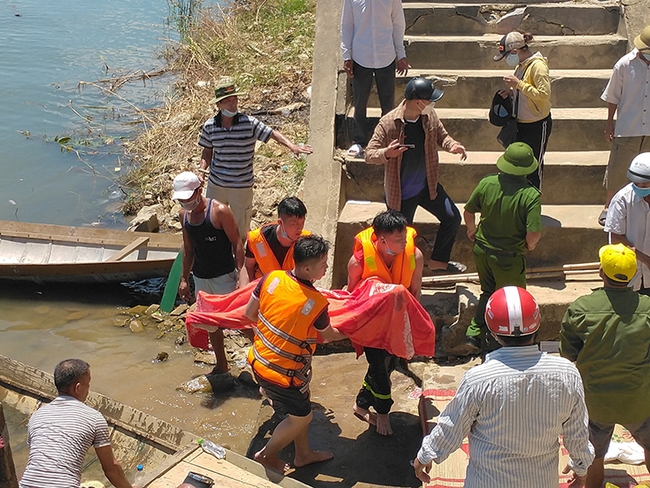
(233, 149)
(59, 435)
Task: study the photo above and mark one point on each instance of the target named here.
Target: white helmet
(639, 170)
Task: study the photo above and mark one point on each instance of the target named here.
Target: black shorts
(286, 400)
(600, 434)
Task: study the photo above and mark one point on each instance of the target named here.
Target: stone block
(146, 220)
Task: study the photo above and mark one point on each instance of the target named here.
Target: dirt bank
(266, 46)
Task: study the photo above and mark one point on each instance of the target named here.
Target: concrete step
(574, 129)
(561, 172)
(439, 19)
(482, 2)
(476, 52)
(453, 309)
(574, 88)
(571, 234)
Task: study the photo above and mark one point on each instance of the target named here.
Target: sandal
(602, 217)
(452, 268)
(355, 151)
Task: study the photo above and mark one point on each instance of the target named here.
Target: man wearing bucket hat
(510, 225)
(513, 408)
(228, 140)
(628, 216)
(606, 334)
(628, 97)
(406, 140)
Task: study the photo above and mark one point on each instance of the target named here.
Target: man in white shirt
(372, 41)
(60, 433)
(513, 408)
(628, 96)
(628, 219)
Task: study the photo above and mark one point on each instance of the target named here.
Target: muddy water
(40, 326)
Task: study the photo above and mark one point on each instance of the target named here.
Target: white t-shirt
(629, 215)
(59, 435)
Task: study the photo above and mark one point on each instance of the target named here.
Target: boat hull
(45, 253)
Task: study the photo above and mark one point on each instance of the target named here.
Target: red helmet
(512, 311)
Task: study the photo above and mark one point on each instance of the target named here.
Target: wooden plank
(41, 384)
(530, 273)
(8, 478)
(126, 250)
(169, 463)
(62, 233)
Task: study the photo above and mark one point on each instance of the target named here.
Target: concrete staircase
(455, 44)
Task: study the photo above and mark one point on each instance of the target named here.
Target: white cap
(184, 185)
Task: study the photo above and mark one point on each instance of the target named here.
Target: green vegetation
(267, 47)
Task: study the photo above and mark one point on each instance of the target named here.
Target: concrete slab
(476, 52)
(561, 169)
(573, 128)
(552, 295)
(475, 88)
(571, 234)
(434, 19)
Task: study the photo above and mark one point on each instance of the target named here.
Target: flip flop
(602, 217)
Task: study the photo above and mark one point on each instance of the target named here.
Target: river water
(46, 49)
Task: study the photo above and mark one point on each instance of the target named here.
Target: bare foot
(383, 424)
(311, 458)
(272, 462)
(364, 415)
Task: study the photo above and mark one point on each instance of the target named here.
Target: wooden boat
(166, 452)
(55, 253)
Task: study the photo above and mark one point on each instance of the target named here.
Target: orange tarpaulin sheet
(375, 314)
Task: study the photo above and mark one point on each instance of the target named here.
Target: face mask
(388, 249)
(512, 59)
(641, 192)
(228, 113)
(191, 205)
(646, 56)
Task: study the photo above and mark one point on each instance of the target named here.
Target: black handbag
(508, 133)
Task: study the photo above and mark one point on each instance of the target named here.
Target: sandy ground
(362, 458)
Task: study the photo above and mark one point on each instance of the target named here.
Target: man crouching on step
(290, 314)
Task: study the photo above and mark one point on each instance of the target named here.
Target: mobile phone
(408, 146)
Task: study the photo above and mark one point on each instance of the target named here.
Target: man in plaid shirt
(406, 140)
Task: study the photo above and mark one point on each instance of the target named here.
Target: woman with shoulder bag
(530, 86)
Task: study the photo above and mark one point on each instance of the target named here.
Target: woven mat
(451, 473)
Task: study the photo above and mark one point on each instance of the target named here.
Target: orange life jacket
(401, 272)
(282, 349)
(266, 260)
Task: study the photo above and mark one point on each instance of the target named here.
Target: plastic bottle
(211, 448)
(138, 479)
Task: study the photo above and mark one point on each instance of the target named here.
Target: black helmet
(422, 89)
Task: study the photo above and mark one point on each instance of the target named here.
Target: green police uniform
(510, 208)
